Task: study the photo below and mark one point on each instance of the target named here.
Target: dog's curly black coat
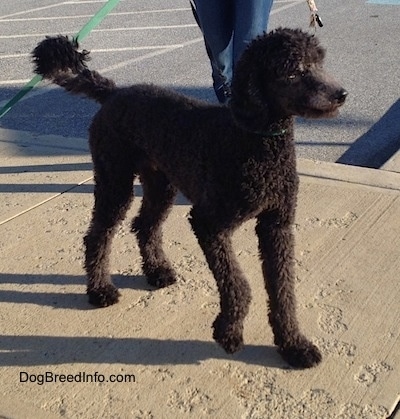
(232, 162)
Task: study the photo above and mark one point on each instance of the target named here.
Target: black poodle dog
(233, 162)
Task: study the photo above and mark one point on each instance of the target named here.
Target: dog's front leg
(233, 288)
(276, 245)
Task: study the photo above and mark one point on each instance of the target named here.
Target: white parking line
(135, 28)
(85, 2)
(147, 28)
(52, 6)
(102, 50)
(37, 9)
(12, 82)
(142, 12)
(149, 55)
(287, 6)
(159, 50)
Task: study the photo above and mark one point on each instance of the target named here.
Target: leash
(314, 18)
(83, 33)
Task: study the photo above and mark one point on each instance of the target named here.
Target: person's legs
(251, 20)
(216, 22)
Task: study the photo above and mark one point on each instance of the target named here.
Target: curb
(378, 178)
(393, 164)
(387, 177)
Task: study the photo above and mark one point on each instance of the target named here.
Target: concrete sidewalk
(158, 344)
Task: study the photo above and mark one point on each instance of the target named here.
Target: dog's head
(281, 74)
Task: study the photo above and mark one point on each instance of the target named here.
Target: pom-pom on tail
(58, 60)
(58, 54)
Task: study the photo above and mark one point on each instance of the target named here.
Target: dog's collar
(272, 133)
(277, 128)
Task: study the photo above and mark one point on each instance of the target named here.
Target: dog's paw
(103, 297)
(301, 354)
(161, 277)
(227, 334)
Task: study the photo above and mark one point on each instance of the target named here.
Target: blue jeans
(228, 27)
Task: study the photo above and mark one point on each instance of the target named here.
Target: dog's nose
(341, 95)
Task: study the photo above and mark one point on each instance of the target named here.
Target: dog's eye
(294, 76)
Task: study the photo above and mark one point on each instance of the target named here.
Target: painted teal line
(27, 88)
(96, 19)
(86, 29)
(390, 2)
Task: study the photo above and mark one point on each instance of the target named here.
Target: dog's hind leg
(215, 241)
(158, 197)
(113, 195)
(276, 244)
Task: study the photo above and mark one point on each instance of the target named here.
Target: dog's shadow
(62, 299)
(25, 351)
(37, 350)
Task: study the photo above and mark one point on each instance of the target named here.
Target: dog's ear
(250, 101)
(248, 104)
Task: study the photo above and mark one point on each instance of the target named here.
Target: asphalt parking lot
(158, 41)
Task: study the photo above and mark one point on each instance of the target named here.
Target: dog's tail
(58, 60)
